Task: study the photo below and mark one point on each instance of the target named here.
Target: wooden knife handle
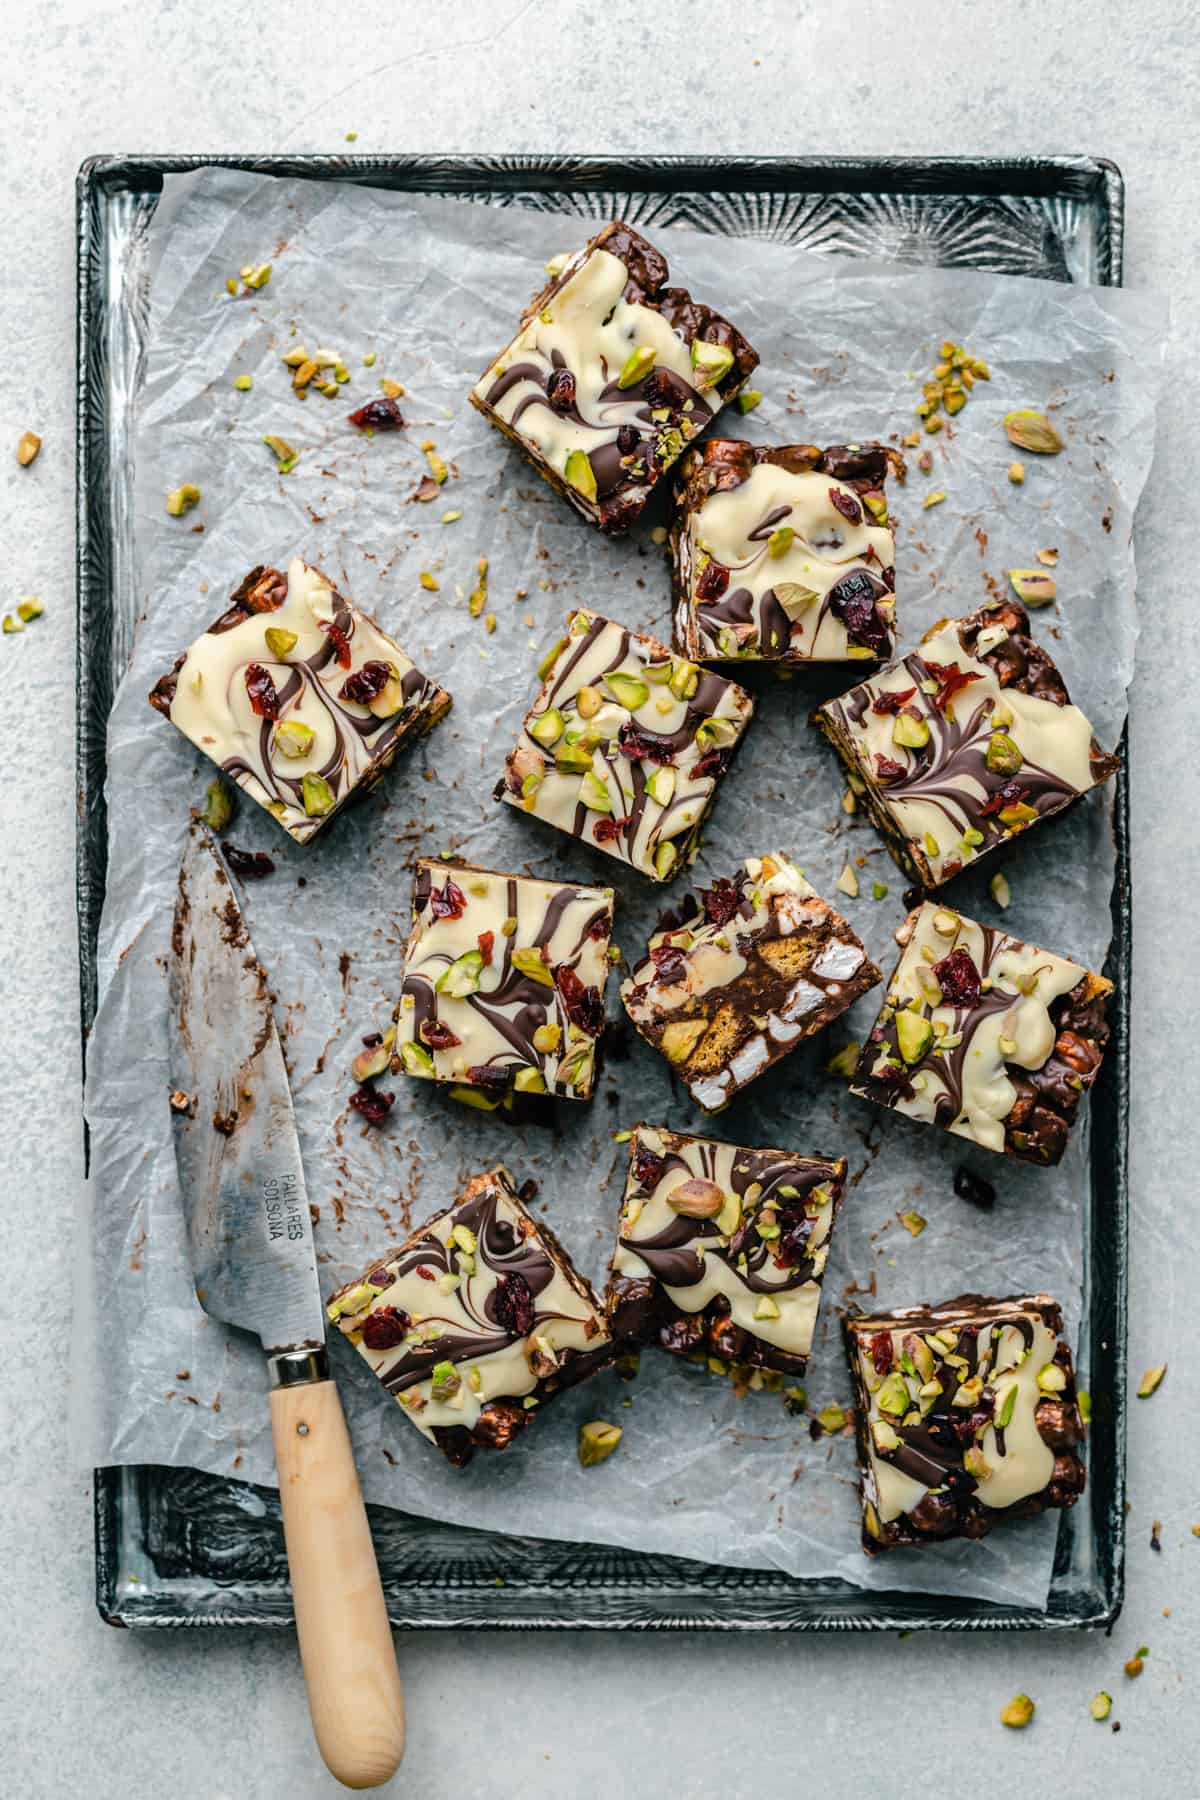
(354, 1691)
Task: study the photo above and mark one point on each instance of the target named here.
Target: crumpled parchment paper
(434, 289)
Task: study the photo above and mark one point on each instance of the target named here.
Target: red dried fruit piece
(635, 743)
(599, 928)
(425, 1272)
(373, 1105)
(380, 414)
(607, 830)
(436, 1036)
(1011, 794)
(795, 1229)
(250, 865)
(713, 581)
(487, 943)
(264, 700)
(628, 440)
(385, 1328)
(720, 901)
(888, 770)
(380, 1278)
(883, 704)
(952, 679)
(584, 1005)
(846, 504)
(485, 1076)
(713, 763)
(648, 1169)
(852, 600)
(448, 902)
(958, 978)
(339, 640)
(881, 1351)
(560, 391)
(365, 683)
(670, 964)
(511, 1304)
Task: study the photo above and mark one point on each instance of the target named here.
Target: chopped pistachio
(428, 582)
(638, 364)
(832, 1419)
(1150, 1381)
(1030, 430)
(879, 890)
(218, 805)
(1018, 1712)
(279, 641)
(243, 383)
(182, 499)
(1100, 1705)
(1016, 473)
(391, 389)
(712, 362)
(580, 474)
(913, 1223)
(766, 1308)
(1031, 586)
(847, 882)
(844, 1061)
(531, 963)
(449, 518)
(914, 1036)
(597, 1441)
(748, 399)
(933, 499)
(909, 732)
(285, 455)
(28, 610)
(780, 540)
(259, 277)
(318, 796)
(446, 1381)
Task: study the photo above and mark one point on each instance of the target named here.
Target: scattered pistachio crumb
(448, 518)
(847, 882)
(427, 582)
(257, 277)
(849, 801)
(437, 467)
(1016, 473)
(28, 445)
(29, 609)
(832, 1419)
(1085, 1405)
(489, 623)
(369, 360)
(1049, 558)
(934, 499)
(1134, 1667)
(999, 889)
(182, 499)
(748, 399)
(1150, 1381)
(1100, 1705)
(845, 1061)
(659, 535)
(879, 890)
(1018, 1712)
(352, 137)
(392, 389)
(243, 383)
(913, 1223)
(597, 1441)
(11, 625)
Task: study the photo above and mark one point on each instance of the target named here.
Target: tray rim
(1035, 176)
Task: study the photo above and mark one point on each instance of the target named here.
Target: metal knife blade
(236, 1148)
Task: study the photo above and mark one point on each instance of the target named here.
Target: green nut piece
(548, 727)
(748, 399)
(529, 1080)
(581, 475)
(1017, 814)
(780, 540)
(462, 977)
(182, 499)
(551, 657)
(712, 362)
(914, 1036)
(1030, 430)
(832, 1419)
(893, 1397)
(284, 453)
(1005, 1407)
(845, 1062)
(660, 785)
(279, 641)
(766, 1308)
(390, 698)
(370, 1063)
(532, 964)
(976, 1463)
(683, 680)
(885, 1437)
(294, 740)
(573, 758)
(911, 732)
(1033, 586)
(1018, 1712)
(416, 1059)
(597, 1441)
(1002, 756)
(28, 610)
(715, 734)
(354, 1300)
(1100, 1705)
(445, 1381)
(665, 858)
(218, 805)
(319, 798)
(627, 690)
(1051, 1379)
(638, 364)
(546, 1039)
(793, 597)
(1150, 1381)
(594, 793)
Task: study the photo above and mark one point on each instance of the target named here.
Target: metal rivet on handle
(302, 1430)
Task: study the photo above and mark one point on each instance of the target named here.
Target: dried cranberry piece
(484, 1075)
(436, 1036)
(974, 1188)
(385, 1328)
(952, 678)
(846, 504)
(380, 1278)
(584, 1005)
(448, 902)
(264, 700)
(366, 682)
(637, 744)
(599, 928)
(713, 763)
(560, 391)
(888, 770)
(339, 640)
(958, 978)
(883, 704)
(487, 943)
(852, 600)
(511, 1304)
(628, 440)
(372, 1038)
(1011, 794)
(791, 1246)
(720, 901)
(648, 1169)
(670, 964)
(250, 865)
(881, 1351)
(607, 830)
(380, 414)
(373, 1105)
(659, 390)
(713, 581)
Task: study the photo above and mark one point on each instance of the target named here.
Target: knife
(254, 1266)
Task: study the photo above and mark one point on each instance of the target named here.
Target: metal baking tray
(175, 1547)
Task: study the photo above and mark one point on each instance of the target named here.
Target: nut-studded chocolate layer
(964, 742)
(992, 1039)
(784, 554)
(611, 375)
(754, 966)
(966, 1413)
(298, 696)
(476, 1321)
(503, 989)
(625, 745)
(721, 1250)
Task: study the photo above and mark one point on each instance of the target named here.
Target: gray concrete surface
(698, 1717)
